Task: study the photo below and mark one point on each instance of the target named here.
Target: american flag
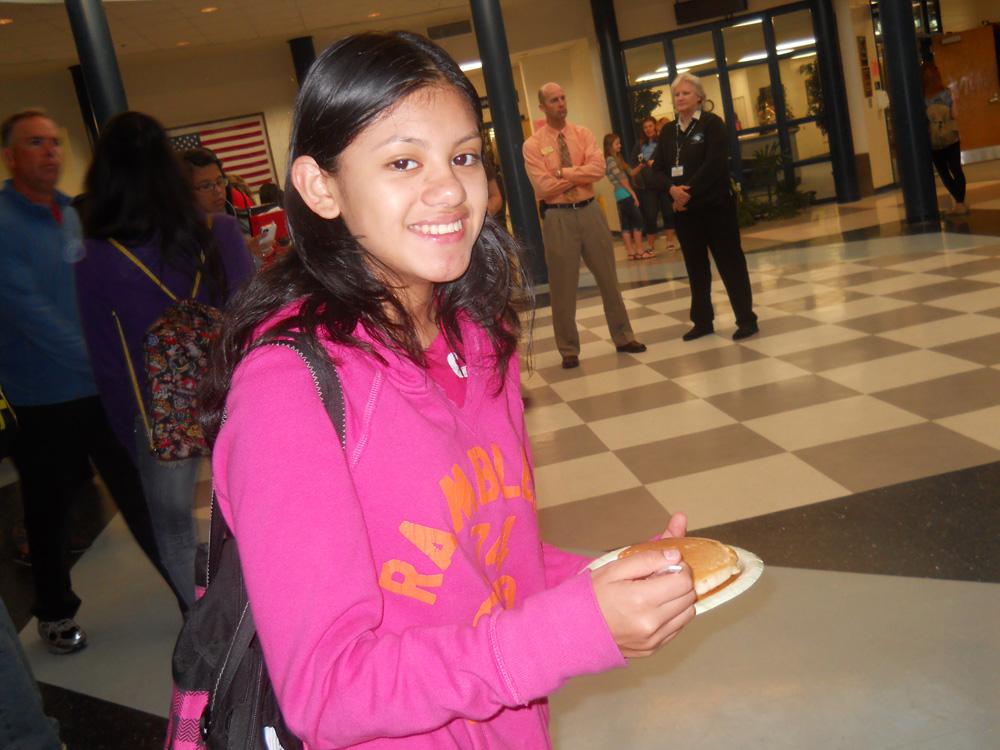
(240, 143)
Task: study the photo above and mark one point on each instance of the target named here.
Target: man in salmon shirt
(563, 162)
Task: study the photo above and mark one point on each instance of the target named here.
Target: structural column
(838, 119)
(493, 51)
(97, 58)
(303, 55)
(613, 72)
(86, 108)
(909, 118)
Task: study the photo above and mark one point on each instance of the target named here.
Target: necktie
(564, 158)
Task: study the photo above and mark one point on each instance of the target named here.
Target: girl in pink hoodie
(402, 595)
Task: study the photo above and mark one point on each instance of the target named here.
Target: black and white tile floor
(854, 445)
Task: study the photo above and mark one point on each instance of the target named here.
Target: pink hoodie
(401, 592)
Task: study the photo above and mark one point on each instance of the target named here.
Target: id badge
(677, 171)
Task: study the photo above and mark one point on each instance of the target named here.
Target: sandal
(634, 256)
(646, 255)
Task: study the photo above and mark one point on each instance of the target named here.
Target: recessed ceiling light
(209, 9)
(6, 21)
(374, 14)
(183, 44)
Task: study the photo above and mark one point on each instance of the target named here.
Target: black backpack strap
(328, 386)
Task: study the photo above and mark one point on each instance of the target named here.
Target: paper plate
(751, 568)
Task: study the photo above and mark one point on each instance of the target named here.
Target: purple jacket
(107, 282)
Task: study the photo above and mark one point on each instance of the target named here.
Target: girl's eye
(403, 165)
(466, 160)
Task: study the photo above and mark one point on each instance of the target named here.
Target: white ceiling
(40, 36)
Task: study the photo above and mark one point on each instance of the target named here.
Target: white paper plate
(751, 568)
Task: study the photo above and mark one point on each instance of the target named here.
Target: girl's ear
(315, 187)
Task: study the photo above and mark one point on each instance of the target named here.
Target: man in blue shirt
(46, 373)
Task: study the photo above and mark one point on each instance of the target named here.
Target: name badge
(546, 150)
(677, 171)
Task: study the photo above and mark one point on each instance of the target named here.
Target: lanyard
(682, 137)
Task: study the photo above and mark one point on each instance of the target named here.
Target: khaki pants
(570, 234)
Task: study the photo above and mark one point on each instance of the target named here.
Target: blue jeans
(23, 723)
(169, 489)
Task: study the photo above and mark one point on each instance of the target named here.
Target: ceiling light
(785, 46)
(696, 63)
(751, 22)
(209, 9)
(6, 21)
(374, 14)
(804, 54)
(474, 65)
(183, 44)
(753, 56)
(655, 76)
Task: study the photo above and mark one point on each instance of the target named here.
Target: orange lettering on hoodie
(399, 577)
(461, 499)
(486, 477)
(508, 490)
(504, 590)
(437, 544)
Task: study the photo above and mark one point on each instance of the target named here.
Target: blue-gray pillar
(97, 58)
(778, 98)
(613, 72)
(493, 51)
(86, 108)
(838, 119)
(303, 55)
(909, 118)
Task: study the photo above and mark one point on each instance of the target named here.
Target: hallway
(854, 445)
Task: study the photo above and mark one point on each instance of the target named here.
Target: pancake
(713, 564)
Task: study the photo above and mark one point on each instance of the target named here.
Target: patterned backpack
(176, 349)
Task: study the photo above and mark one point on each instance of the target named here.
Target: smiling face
(686, 99)
(616, 146)
(412, 189)
(34, 157)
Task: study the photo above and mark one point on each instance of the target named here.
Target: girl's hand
(644, 606)
(676, 526)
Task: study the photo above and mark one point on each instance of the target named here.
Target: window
(694, 52)
(646, 63)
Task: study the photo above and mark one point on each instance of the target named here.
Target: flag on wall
(241, 143)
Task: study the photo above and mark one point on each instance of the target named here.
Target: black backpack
(223, 697)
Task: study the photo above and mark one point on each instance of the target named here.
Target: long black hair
(353, 83)
(136, 192)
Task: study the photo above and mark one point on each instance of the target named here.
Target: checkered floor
(877, 362)
(874, 625)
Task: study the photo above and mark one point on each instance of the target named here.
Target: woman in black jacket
(693, 154)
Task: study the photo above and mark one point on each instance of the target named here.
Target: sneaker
(62, 636)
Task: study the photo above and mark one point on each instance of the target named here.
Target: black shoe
(697, 332)
(570, 361)
(745, 332)
(632, 347)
